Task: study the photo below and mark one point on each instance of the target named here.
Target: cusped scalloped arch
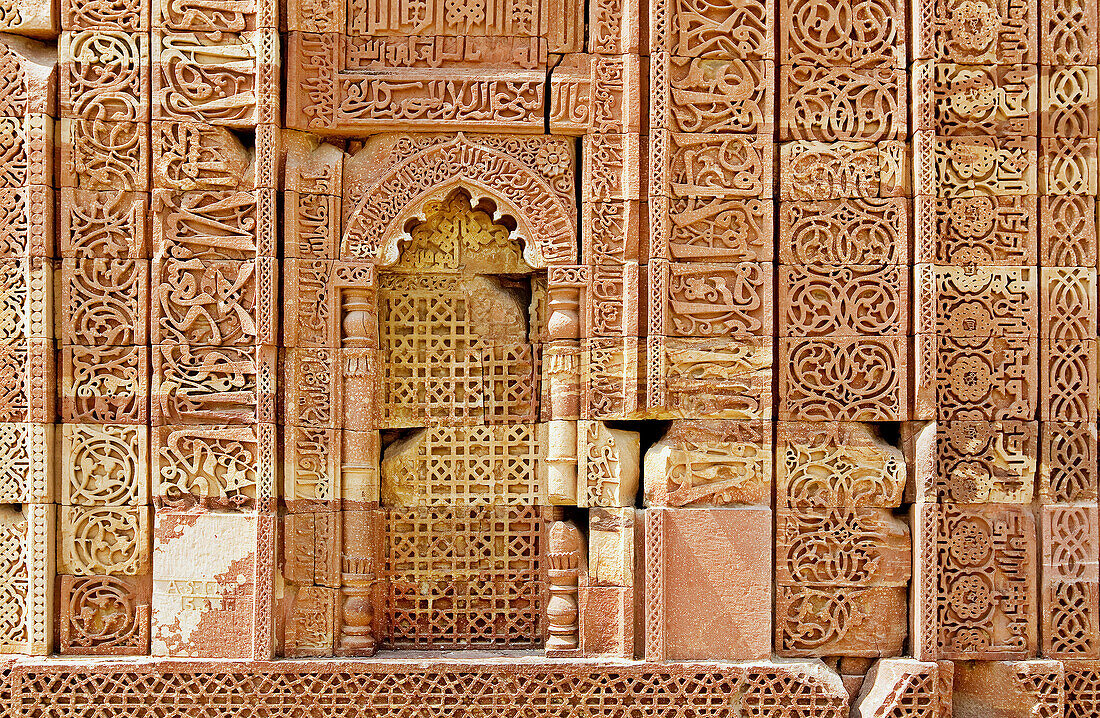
(546, 223)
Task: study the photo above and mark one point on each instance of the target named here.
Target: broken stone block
(827, 464)
(608, 465)
(1012, 689)
(464, 464)
(709, 462)
(902, 686)
(611, 546)
(842, 547)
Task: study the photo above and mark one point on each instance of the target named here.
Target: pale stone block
(611, 546)
(204, 585)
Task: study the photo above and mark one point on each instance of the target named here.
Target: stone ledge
(421, 686)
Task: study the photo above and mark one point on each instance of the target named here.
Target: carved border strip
(498, 687)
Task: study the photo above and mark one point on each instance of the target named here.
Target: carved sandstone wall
(549, 357)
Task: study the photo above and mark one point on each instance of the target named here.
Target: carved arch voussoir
(546, 223)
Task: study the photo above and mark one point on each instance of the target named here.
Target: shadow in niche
(650, 431)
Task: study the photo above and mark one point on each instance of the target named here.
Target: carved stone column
(359, 472)
(360, 594)
(566, 561)
(561, 358)
(362, 537)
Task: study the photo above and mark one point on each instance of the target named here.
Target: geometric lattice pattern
(465, 577)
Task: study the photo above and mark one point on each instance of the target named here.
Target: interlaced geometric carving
(844, 231)
(846, 379)
(1069, 463)
(460, 465)
(853, 33)
(1082, 688)
(14, 580)
(822, 301)
(454, 347)
(842, 103)
(1071, 601)
(465, 577)
(534, 688)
